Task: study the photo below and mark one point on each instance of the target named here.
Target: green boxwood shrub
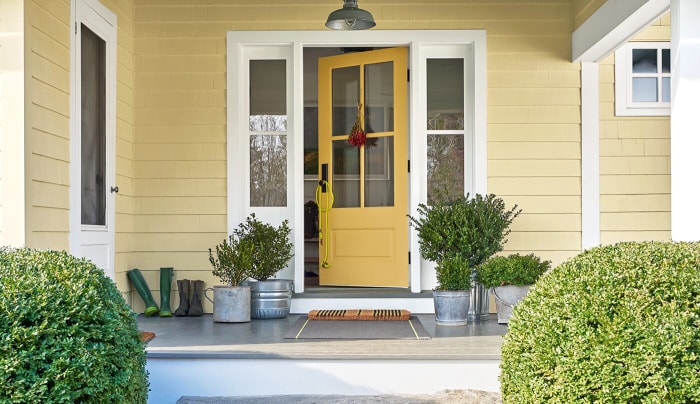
(515, 269)
(616, 324)
(66, 334)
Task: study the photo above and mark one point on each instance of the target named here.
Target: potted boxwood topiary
(68, 335)
(233, 264)
(510, 279)
(271, 252)
(615, 324)
(462, 231)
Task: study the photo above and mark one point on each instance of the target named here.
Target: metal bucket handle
(503, 302)
(207, 297)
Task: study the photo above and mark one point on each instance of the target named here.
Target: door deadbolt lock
(114, 190)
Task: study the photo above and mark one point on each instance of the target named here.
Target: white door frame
(91, 241)
(419, 43)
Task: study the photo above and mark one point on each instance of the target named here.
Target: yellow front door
(364, 236)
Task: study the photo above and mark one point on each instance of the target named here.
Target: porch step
(361, 298)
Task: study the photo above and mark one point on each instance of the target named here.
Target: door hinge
(408, 74)
(76, 28)
(409, 166)
(409, 257)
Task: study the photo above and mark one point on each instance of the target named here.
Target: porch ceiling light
(350, 17)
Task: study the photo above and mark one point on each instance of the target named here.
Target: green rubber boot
(166, 280)
(141, 287)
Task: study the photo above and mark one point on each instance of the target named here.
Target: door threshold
(331, 292)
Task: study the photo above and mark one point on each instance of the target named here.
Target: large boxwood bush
(66, 334)
(616, 324)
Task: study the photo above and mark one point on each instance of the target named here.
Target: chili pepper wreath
(357, 137)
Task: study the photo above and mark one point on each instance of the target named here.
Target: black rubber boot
(197, 288)
(141, 287)
(183, 290)
(166, 280)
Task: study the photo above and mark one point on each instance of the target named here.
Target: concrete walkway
(445, 397)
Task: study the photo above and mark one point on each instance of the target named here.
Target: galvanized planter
(478, 302)
(231, 303)
(451, 307)
(271, 298)
(506, 298)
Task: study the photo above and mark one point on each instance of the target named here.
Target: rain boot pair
(166, 278)
(190, 301)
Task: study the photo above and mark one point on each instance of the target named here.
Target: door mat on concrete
(364, 314)
(305, 328)
(146, 336)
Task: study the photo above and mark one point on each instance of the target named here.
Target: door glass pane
(379, 97)
(268, 115)
(666, 89)
(445, 166)
(379, 171)
(346, 175)
(268, 170)
(93, 128)
(665, 60)
(644, 61)
(644, 89)
(346, 95)
(268, 95)
(445, 83)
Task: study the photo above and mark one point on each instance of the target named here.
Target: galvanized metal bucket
(478, 303)
(506, 298)
(271, 298)
(451, 307)
(231, 303)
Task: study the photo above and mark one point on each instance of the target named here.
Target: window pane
(268, 95)
(310, 140)
(665, 60)
(346, 175)
(93, 128)
(644, 89)
(346, 96)
(379, 97)
(445, 82)
(445, 166)
(666, 89)
(644, 61)
(379, 171)
(268, 170)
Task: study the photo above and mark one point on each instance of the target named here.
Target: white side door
(93, 133)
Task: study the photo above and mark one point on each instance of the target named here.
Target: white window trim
(624, 106)
(420, 44)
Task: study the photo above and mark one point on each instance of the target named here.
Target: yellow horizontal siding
(534, 132)
(181, 224)
(534, 168)
(545, 204)
(180, 169)
(179, 187)
(554, 186)
(547, 222)
(635, 172)
(635, 203)
(47, 122)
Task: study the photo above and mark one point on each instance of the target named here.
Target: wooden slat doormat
(363, 314)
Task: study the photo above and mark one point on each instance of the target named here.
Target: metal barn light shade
(350, 17)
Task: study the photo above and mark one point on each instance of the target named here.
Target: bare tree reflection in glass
(268, 160)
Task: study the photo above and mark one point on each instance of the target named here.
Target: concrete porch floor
(194, 356)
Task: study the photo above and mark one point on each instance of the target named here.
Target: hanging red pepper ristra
(358, 136)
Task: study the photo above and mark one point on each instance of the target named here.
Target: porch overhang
(612, 25)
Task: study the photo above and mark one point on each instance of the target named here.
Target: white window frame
(422, 44)
(624, 106)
